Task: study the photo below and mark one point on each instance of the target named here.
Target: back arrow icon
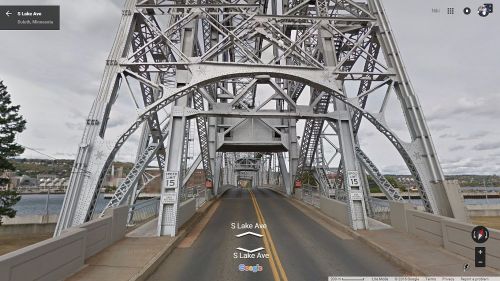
(8, 13)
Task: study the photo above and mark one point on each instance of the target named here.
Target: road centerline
(268, 237)
(271, 261)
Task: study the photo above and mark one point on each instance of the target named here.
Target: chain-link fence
(143, 210)
(311, 195)
(199, 192)
(381, 210)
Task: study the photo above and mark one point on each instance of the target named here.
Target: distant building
(197, 178)
(13, 181)
(24, 182)
(41, 178)
(408, 182)
(52, 182)
(332, 177)
(153, 186)
(115, 176)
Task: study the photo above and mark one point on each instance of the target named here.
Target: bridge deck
(307, 250)
(310, 246)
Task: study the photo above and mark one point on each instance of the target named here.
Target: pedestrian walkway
(128, 257)
(412, 253)
(421, 256)
(136, 255)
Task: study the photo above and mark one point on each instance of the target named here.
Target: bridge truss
(210, 61)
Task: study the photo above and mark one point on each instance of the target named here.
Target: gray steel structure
(219, 60)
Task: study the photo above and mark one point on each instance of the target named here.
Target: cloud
(75, 126)
(65, 155)
(471, 165)
(464, 106)
(438, 126)
(449, 135)
(487, 146)
(455, 148)
(395, 169)
(474, 136)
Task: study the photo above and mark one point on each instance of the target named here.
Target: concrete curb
(155, 262)
(387, 254)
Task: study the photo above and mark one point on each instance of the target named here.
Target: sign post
(355, 199)
(167, 220)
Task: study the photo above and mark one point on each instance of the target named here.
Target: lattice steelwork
(218, 61)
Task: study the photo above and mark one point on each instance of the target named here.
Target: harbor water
(35, 204)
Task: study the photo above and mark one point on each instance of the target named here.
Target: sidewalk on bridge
(418, 256)
(137, 255)
(415, 255)
(126, 258)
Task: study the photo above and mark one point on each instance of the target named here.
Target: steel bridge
(235, 78)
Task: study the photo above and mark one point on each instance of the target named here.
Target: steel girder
(89, 159)
(390, 192)
(310, 77)
(142, 35)
(201, 124)
(269, 169)
(227, 54)
(129, 186)
(330, 50)
(320, 171)
(435, 198)
(191, 169)
(152, 132)
(285, 174)
(124, 190)
(364, 86)
(312, 131)
(346, 56)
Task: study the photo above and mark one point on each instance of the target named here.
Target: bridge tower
(244, 73)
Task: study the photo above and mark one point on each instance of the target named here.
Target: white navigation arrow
(249, 233)
(8, 13)
(250, 251)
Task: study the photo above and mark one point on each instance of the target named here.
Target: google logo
(250, 268)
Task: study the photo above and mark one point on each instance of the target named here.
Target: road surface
(298, 247)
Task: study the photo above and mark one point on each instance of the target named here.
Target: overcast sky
(452, 60)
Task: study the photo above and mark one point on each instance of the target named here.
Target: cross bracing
(239, 66)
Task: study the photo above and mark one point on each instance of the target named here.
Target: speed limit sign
(171, 179)
(353, 178)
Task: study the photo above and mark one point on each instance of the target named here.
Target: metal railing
(311, 195)
(199, 192)
(143, 210)
(381, 210)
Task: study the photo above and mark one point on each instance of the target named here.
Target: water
(34, 204)
(481, 188)
(471, 201)
(489, 201)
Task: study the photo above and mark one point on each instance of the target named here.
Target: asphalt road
(299, 248)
